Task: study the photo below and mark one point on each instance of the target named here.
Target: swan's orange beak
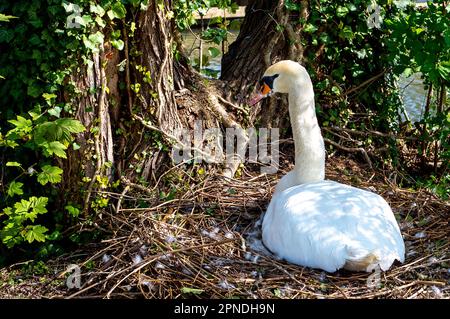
(265, 91)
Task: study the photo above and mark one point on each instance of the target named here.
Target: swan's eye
(268, 80)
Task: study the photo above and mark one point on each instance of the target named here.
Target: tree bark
(267, 35)
(115, 140)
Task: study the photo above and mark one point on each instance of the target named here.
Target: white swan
(315, 222)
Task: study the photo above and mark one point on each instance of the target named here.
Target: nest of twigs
(204, 243)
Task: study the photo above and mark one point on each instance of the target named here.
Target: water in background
(414, 96)
(412, 90)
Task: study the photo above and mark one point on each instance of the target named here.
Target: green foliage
(344, 50)
(39, 50)
(49, 174)
(16, 228)
(419, 41)
(214, 33)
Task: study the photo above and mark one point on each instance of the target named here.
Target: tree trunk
(132, 136)
(267, 35)
(154, 44)
(116, 137)
(96, 155)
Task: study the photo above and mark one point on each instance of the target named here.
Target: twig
(119, 202)
(351, 150)
(145, 263)
(232, 105)
(372, 79)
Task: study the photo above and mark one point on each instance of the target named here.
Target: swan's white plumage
(318, 223)
(325, 224)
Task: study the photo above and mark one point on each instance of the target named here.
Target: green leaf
(29, 209)
(56, 148)
(13, 164)
(21, 123)
(291, 5)
(342, 11)
(15, 188)
(98, 10)
(188, 290)
(97, 38)
(93, 41)
(118, 44)
(407, 72)
(59, 130)
(50, 174)
(310, 28)
(33, 90)
(75, 146)
(56, 111)
(346, 33)
(6, 18)
(444, 70)
(35, 233)
(117, 11)
(214, 52)
(73, 211)
(49, 97)
(101, 23)
(39, 204)
(336, 90)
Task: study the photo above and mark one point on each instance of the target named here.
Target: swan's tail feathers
(366, 263)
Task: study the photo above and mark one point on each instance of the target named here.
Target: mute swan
(315, 222)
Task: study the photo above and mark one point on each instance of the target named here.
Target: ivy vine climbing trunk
(154, 39)
(84, 169)
(117, 120)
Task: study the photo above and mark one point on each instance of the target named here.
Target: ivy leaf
(93, 41)
(49, 97)
(50, 174)
(98, 10)
(56, 111)
(341, 11)
(73, 211)
(35, 233)
(101, 23)
(33, 90)
(118, 44)
(336, 90)
(346, 33)
(75, 146)
(117, 11)
(310, 28)
(291, 5)
(15, 188)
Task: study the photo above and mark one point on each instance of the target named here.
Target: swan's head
(278, 78)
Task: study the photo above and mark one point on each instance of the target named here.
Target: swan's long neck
(308, 140)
